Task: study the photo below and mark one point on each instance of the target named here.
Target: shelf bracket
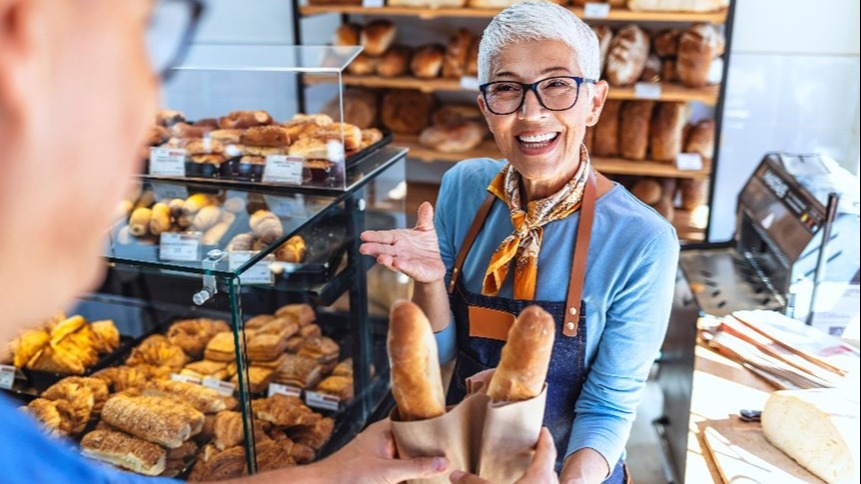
(210, 287)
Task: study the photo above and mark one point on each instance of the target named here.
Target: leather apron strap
(578, 264)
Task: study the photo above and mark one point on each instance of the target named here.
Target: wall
(793, 85)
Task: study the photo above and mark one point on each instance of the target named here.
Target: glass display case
(252, 290)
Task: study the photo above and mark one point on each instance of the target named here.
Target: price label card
(321, 400)
(596, 10)
(185, 378)
(287, 206)
(283, 169)
(166, 191)
(470, 83)
(182, 247)
(279, 389)
(372, 3)
(647, 90)
(259, 273)
(7, 376)
(167, 161)
(689, 161)
(223, 387)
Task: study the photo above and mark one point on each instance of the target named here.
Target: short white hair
(537, 21)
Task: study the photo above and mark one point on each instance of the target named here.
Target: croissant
(27, 345)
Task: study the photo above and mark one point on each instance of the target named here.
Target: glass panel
(271, 58)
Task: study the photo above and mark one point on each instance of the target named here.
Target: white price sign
(223, 387)
(689, 161)
(283, 169)
(469, 83)
(279, 389)
(596, 10)
(647, 90)
(166, 191)
(7, 376)
(167, 161)
(182, 247)
(321, 400)
(185, 378)
(372, 3)
(259, 273)
(287, 206)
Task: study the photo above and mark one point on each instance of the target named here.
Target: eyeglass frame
(197, 9)
(534, 88)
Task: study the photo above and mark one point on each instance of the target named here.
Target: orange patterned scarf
(524, 244)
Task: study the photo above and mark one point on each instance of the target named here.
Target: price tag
(223, 387)
(183, 247)
(279, 389)
(7, 376)
(292, 206)
(283, 169)
(185, 378)
(647, 90)
(596, 10)
(259, 273)
(321, 400)
(167, 192)
(469, 83)
(167, 161)
(372, 3)
(689, 161)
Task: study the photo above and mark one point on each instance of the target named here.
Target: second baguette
(416, 381)
(525, 357)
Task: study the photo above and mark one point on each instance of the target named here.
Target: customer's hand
(540, 471)
(370, 458)
(415, 252)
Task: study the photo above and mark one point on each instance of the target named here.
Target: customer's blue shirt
(28, 456)
(628, 291)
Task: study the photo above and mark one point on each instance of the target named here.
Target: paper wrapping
(494, 441)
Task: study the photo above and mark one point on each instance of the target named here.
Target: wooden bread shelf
(718, 17)
(669, 92)
(610, 166)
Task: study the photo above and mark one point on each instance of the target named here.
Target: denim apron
(482, 324)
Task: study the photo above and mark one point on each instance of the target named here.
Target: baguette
(416, 381)
(525, 357)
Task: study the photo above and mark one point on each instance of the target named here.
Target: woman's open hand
(415, 252)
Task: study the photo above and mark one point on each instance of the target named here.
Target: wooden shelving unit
(610, 166)
(669, 92)
(718, 17)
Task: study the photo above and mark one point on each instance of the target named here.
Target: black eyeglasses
(554, 94)
(171, 28)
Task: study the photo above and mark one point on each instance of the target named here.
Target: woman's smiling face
(542, 145)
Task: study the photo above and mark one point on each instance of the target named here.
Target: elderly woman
(517, 232)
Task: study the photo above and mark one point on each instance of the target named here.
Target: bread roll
(701, 139)
(605, 39)
(160, 219)
(139, 221)
(265, 136)
(363, 65)
(634, 123)
(427, 61)
(667, 128)
(416, 381)
(667, 43)
(456, 113)
(395, 62)
(348, 34)
(125, 451)
(693, 193)
(525, 357)
(454, 137)
(606, 141)
(360, 107)
(471, 68)
(698, 46)
(652, 70)
(454, 63)
(244, 119)
(378, 36)
(647, 190)
(406, 112)
(627, 56)
(817, 428)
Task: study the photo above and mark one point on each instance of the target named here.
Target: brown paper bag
(495, 441)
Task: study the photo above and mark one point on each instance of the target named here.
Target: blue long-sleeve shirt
(628, 291)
